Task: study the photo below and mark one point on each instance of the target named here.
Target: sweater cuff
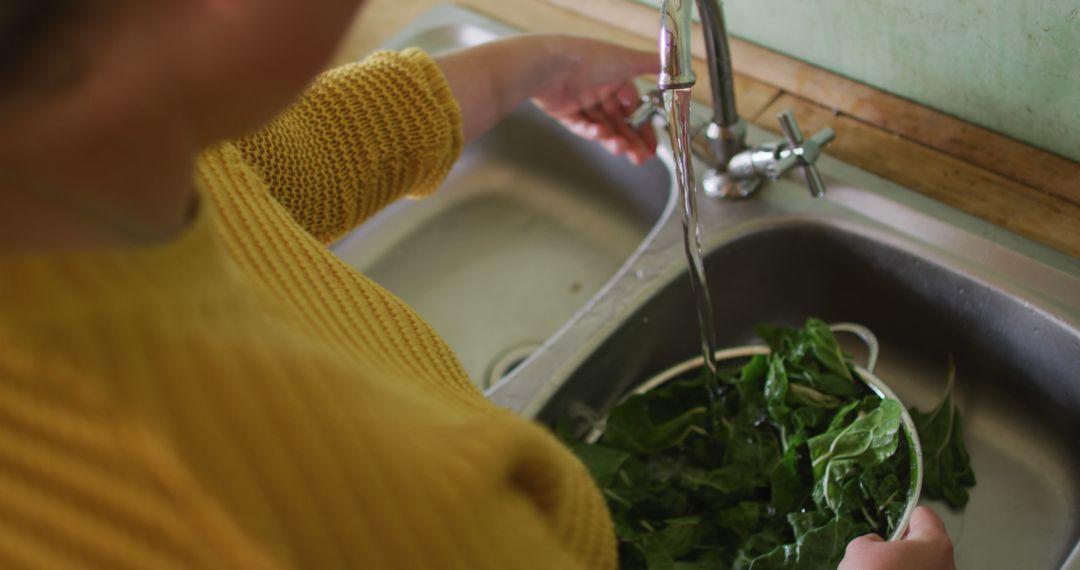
(451, 131)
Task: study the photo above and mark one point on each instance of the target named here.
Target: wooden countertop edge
(982, 193)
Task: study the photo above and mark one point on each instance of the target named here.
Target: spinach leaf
(727, 479)
(817, 548)
(888, 494)
(826, 349)
(674, 540)
(813, 356)
(786, 482)
(603, 462)
(776, 389)
(844, 416)
(947, 472)
(810, 373)
(639, 425)
(805, 395)
(869, 440)
(781, 340)
(755, 369)
(836, 455)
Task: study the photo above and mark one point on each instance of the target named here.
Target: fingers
(581, 126)
(927, 528)
(859, 550)
(640, 142)
(597, 104)
(606, 124)
(636, 146)
(925, 524)
(597, 116)
(926, 547)
(616, 135)
(866, 538)
(628, 98)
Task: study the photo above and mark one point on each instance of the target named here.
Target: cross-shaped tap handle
(805, 151)
(652, 104)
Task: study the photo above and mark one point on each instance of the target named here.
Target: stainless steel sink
(530, 224)
(929, 280)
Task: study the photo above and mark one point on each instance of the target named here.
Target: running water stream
(677, 106)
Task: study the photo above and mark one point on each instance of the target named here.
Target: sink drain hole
(508, 361)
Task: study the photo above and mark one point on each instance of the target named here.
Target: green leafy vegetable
(866, 442)
(826, 349)
(815, 548)
(800, 459)
(643, 425)
(604, 463)
(947, 472)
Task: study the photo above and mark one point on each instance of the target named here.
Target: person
(188, 377)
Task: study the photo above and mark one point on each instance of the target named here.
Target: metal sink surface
(929, 280)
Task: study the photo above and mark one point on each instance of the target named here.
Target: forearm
(361, 136)
(490, 80)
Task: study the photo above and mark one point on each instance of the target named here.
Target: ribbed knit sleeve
(361, 137)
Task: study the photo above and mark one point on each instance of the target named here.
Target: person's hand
(925, 546)
(585, 84)
(593, 94)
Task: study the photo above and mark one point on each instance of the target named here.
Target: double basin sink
(556, 272)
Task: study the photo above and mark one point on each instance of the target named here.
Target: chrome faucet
(736, 170)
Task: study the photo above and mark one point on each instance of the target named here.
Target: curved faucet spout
(676, 71)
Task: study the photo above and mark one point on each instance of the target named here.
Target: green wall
(1012, 66)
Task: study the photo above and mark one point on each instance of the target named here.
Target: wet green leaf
(838, 455)
(787, 484)
(603, 462)
(776, 389)
(947, 472)
(642, 425)
(869, 440)
(826, 349)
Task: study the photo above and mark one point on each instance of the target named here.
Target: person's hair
(26, 27)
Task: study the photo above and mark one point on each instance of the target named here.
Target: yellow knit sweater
(240, 398)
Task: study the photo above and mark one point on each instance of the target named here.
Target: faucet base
(721, 185)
